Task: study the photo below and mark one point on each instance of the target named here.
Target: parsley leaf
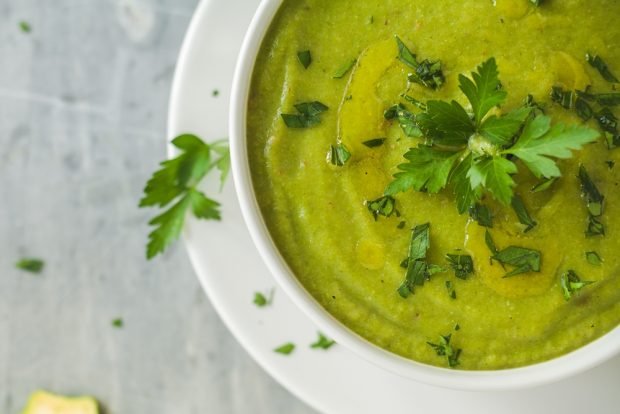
(427, 169)
(571, 283)
(118, 323)
(495, 174)
(323, 342)
(177, 180)
(309, 115)
(25, 26)
(593, 197)
(416, 259)
(540, 140)
(305, 58)
(524, 260)
(485, 92)
(599, 64)
(285, 349)
(501, 130)
(30, 264)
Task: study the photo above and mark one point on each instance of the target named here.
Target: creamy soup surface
(351, 262)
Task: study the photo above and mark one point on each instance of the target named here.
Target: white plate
(230, 270)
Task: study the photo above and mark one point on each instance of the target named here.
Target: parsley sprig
(475, 152)
(177, 182)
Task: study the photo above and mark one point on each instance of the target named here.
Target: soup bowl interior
(562, 367)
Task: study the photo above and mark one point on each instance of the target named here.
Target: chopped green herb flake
(608, 99)
(31, 265)
(450, 289)
(25, 26)
(401, 225)
(376, 142)
(488, 239)
(482, 214)
(544, 185)
(457, 327)
(583, 109)
(595, 227)
(610, 164)
(305, 58)
(344, 69)
(262, 300)
(522, 214)
(594, 199)
(416, 259)
(599, 64)
(309, 115)
(593, 258)
(522, 259)
(285, 349)
(463, 265)
(444, 348)
(323, 342)
(536, 2)
(382, 206)
(607, 120)
(562, 97)
(338, 155)
(427, 73)
(215, 93)
(117, 323)
(571, 283)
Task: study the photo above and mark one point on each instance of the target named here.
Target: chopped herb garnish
(482, 214)
(450, 288)
(401, 225)
(610, 164)
(30, 264)
(117, 323)
(562, 97)
(595, 227)
(571, 283)
(323, 342)
(338, 155)
(375, 142)
(594, 199)
(215, 93)
(522, 214)
(522, 259)
(427, 73)
(597, 62)
(543, 185)
(383, 206)
(177, 180)
(25, 26)
(444, 348)
(593, 258)
(463, 265)
(262, 300)
(344, 69)
(488, 239)
(475, 152)
(285, 349)
(305, 58)
(536, 2)
(608, 99)
(607, 120)
(309, 115)
(416, 260)
(583, 109)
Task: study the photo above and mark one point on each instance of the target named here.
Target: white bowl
(562, 367)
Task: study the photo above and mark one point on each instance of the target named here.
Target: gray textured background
(83, 101)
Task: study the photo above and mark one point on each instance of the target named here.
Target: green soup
(351, 262)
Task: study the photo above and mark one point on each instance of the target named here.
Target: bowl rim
(572, 363)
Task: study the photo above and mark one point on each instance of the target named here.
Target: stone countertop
(83, 101)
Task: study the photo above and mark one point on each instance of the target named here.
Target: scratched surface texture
(83, 100)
